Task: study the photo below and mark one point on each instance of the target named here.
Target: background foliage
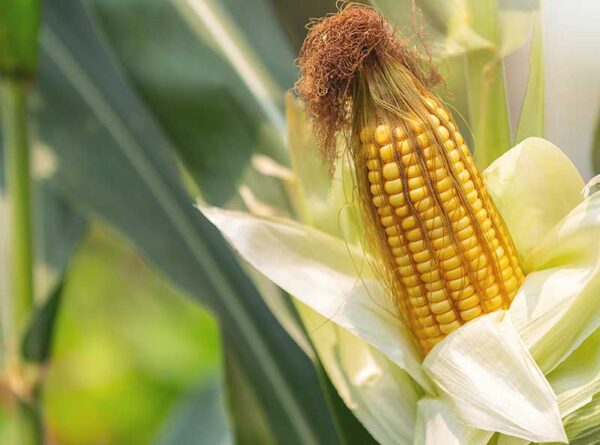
(139, 107)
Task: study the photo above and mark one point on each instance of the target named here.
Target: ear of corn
(444, 250)
(448, 252)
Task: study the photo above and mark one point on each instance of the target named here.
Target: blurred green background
(137, 108)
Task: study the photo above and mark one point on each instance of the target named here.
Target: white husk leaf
(381, 395)
(492, 382)
(324, 273)
(436, 425)
(534, 185)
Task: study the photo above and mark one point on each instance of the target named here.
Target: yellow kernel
(436, 162)
(417, 246)
(479, 262)
(472, 313)
(383, 135)
(412, 172)
(468, 303)
(416, 126)
(418, 194)
(401, 261)
(435, 122)
(422, 311)
(418, 301)
(436, 296)
(387, 153)
(395, 241)
(437, 233)
(379, 201)
(481, 215)
(376, 189)
(431, 105)
(409, 223)
(414, 183)
(492, 291)
(443, 115)
(435, 285)
(461, 224)
(483, 273)
(454, 273)
(414, 235)
(457, 284)
(424, 205)
(451, 263)
(402, 211)
(445, 318)
(459, 139)
(465, 292)
(432, 331)
(472, 198)
(430, 152)
(442, 242)
(401, 252)
(391, 171)
(439, 174)
(399, 133)
(431, 276)
(409, 159)
(444, 185)
(468, 186)
(469, 243)
(407, 272)
(414, 291)
(374, 177)
(393, 187)
(459, 167)
(397, 200)
(447, 328)
(423, 140)
(440, 307)
(371, 151)
(420, 257)
(425, 266)
(387, 221)
(511, 284)
(434, 223)
(507, 273)
(385, 211)
(451, 205)
(493, 304)
(447, 252)
(391, 231)
(443, 133)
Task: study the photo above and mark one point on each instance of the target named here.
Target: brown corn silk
(447, 255)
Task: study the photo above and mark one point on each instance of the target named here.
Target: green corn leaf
(38, 337)
(583, 426)
(19, 24)
(151, 77)
(196, 419)
(114, 162)
(531, 121)
(217, 115)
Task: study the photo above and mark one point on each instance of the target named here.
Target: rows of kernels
(448, 277)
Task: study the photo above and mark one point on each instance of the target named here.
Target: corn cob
(450, 254)
(447, 256)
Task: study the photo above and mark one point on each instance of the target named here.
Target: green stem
(18, 185)
(18, 188)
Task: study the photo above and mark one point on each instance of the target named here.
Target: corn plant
(172, 124)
